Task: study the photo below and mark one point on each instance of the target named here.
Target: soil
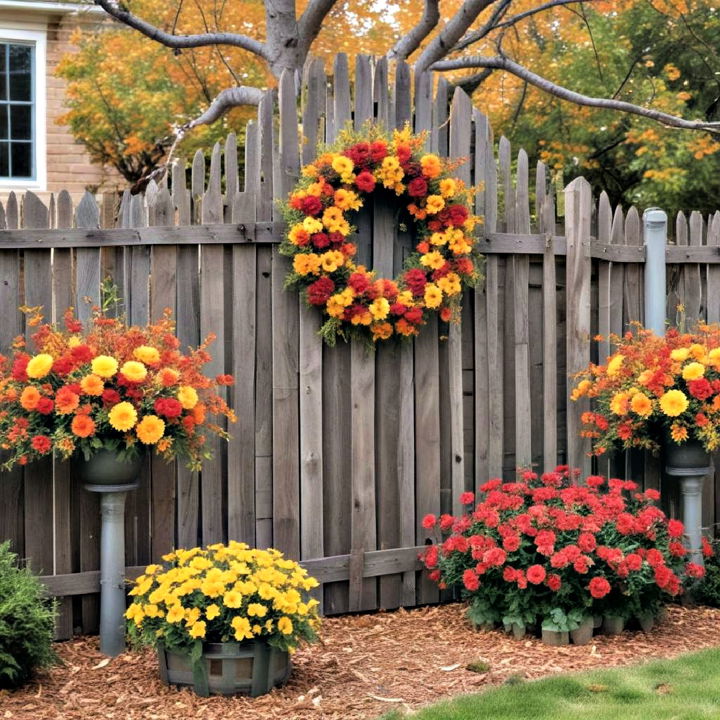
(364, 666)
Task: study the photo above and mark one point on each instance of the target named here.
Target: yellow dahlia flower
(134, 371)
(122, 416)
(187, 396)
(674, 403)
(614, 365)
(104, 366)
(693, 371)
(39, 366)
(146, 354)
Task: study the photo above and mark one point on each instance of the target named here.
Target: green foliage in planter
(27, 621)
(707, 590)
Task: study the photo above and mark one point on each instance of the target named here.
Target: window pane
(4, 162)
(20, 122)
(21, 153)
(3, 72)
(4, 110)
(20, 72)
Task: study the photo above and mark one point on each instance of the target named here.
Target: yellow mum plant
(223, 593)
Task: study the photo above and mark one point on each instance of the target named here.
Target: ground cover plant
(686, 688)
(27, 620)
(546, 549)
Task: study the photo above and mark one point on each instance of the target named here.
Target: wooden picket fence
(338, 453)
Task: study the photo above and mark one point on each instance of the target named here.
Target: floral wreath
(354, 301)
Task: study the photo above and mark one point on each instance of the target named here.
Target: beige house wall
(68, 167)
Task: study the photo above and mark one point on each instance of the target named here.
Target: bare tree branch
(408, 44)
(224, 101)
(472, 82)
(540, 8)
(489, 26)
(503, 63)
(445, 40)
(311, 21)
(180, 41)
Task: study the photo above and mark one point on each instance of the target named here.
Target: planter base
(613, 625)
(555, 637)
(583, 634)
(249, 668)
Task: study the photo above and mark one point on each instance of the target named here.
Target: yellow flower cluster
(221, 593)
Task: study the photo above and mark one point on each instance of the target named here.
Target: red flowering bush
(548, 548)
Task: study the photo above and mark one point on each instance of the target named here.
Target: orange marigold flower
(83, 426)
(30, 397)
(224, 379)
(150, 429)
(66, 400)
(92, 385)
(168, 377)
(198, 414)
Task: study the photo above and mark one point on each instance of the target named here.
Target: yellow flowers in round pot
(224, 604)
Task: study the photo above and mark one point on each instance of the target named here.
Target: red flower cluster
(546, 542)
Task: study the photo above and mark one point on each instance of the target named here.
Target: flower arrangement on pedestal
(107, 386)
(654, 390)
(547, 550)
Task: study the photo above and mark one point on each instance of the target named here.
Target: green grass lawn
(687, 688)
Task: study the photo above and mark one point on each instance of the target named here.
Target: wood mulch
(365, 666)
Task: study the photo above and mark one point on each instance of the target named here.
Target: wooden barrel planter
(248, 668)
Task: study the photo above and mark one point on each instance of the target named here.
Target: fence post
(578, 269)
(655, 240)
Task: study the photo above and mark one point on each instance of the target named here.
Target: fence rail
(338, 454)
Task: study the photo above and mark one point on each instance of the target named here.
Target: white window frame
(38, 38)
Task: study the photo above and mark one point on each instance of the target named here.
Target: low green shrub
(27, 621)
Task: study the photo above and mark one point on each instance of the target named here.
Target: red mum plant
(548, 549)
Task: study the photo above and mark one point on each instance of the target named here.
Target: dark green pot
(691, 454)
(104, 468)
(249, 668)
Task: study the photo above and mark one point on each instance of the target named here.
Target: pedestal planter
(249, 668)
(584, 633)
(613, 624)
(106, 470)
(690, 463)
(103, 473)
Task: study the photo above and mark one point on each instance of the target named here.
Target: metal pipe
(655, 240)
(112, 573)
(691, 489)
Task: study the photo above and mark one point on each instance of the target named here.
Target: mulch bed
(365, 666)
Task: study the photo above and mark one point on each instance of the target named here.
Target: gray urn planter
(690, 454)
(555, 638)
(249, 668)
(647, 622)
(613, 624)
(583, 634)
(103, 469)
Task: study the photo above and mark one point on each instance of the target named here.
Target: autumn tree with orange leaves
(199, 65)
